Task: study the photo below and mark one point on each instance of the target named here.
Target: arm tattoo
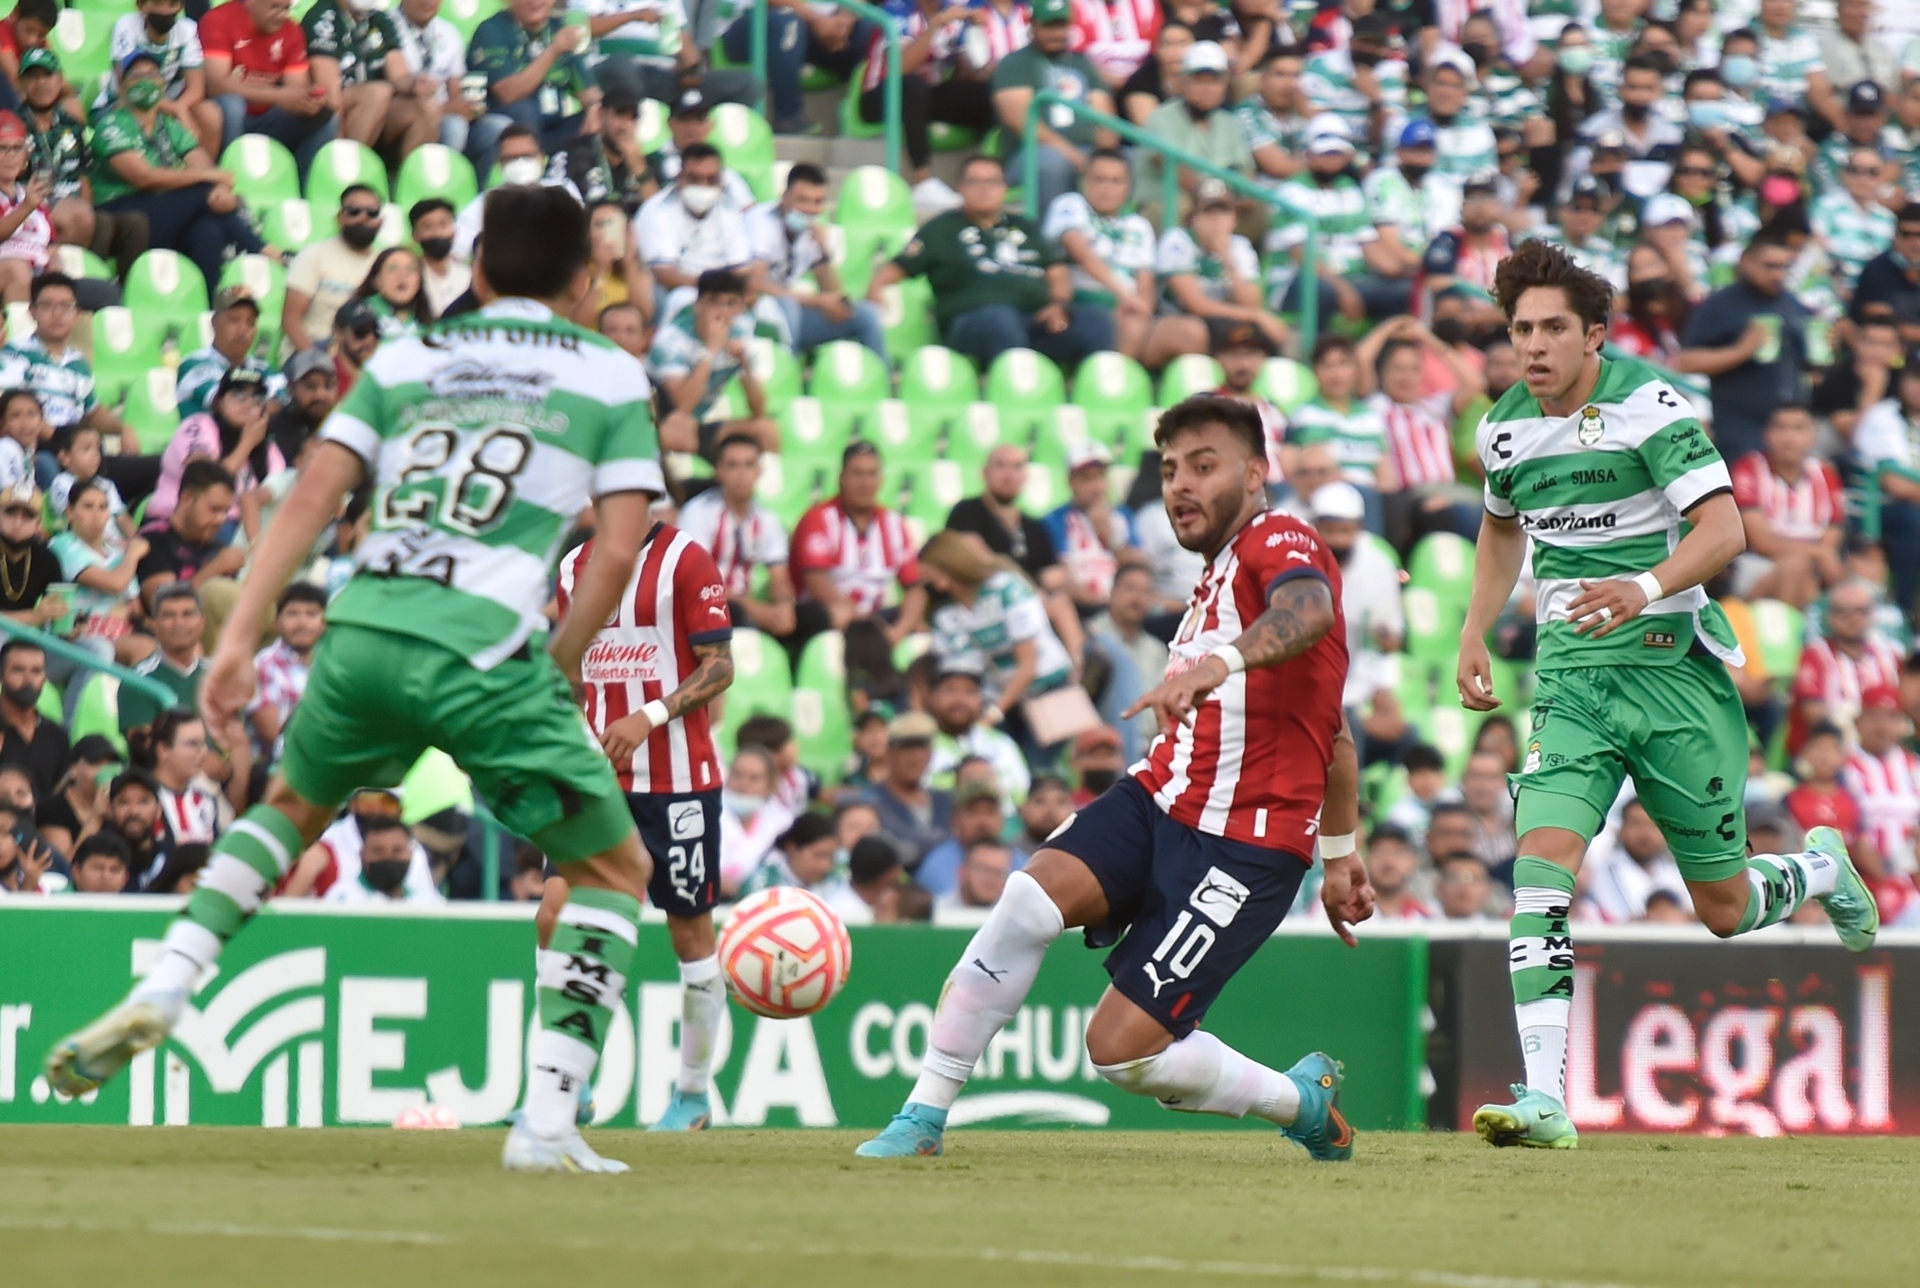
(1300, 612)
(708, 681)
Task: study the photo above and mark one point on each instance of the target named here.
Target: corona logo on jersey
(785, 953)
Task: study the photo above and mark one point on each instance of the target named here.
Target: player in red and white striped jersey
(1885, 778)
(849, 551)
(1193, 858)
(1838, 669)
(649, 675)
(1794, 511)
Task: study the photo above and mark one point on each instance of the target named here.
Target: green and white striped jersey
(1786, 63)
(1345, 226)
(1358, 436)
(1394, 202)
(1179, 253)
(1601, 493)
(1851, 234)
(1596, 254)
(1005, 612)
(485, 436)
(1465, 147)
(1125, 242)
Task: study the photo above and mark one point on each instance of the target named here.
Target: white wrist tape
(656, 714)
(1336, 847)
(1650, 586)
(1231, 656)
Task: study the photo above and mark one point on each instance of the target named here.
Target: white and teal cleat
(1850, 905)
(917, 1131)
(526, 1152)
(1535, 1120)
(81, 1062)
(583, 1104)
(687, 1111)
(1320, 1128)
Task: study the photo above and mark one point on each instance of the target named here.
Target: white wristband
(1336, 847)
(656, 714)
(1650, 586)
(1231, 656)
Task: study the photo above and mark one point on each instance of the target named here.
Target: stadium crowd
(910, 418)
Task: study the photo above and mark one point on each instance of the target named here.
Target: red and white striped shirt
(947, 44)
(1005, 32)
(674, 602)
(1836, 680)
(1116, 37)
(863, 562)
(739, 546)
(191, 817)
(1888, 789)
(1419, 438)
(1801, 511)
(1273, 424)
(1256, 780)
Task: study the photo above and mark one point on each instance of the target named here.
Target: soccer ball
(785, 953)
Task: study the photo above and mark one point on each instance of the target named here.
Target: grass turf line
(787, 1209)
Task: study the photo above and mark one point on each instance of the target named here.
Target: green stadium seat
(435, 170)
(1286, 383)
(822, 720)
(812, 437)
(82, 40)
(1025, 386)
(652, 134)
(850, 382)
(858, 253)
(1053, 450)
(937, 385)
(1113, 390)
(1185, 376)
(1782, 631)
(468, 14)
(934, 490)
(1432, 634)
(1443, 563)
(873, 196)
(906, 311)
(852, 124)
(124, 346)
(1416, 684)
(745, 140)
(165, 287)
(899, 437)
(973, 438)
(791, 486)
(289, 225)
(1385, 547)
(97, 710)
(339, 165)
(77, 261)
(151, 409)
(51, 704)
(762, 685)
(264, 171)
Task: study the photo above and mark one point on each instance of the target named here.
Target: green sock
(1540, 954)
(1779, 884)
(582, 977)
(247, 862)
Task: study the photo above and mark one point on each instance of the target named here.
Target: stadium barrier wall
(1780, 1033)
(318, 1017)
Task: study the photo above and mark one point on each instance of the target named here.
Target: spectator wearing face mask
(1376, 625)
(325, 275)
(443, 278)
(340, 855)
(751, 820)
(387, 857)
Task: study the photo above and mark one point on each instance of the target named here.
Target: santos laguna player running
(484, 437)
(1196, 855)
(1600, 462)
(649, 675)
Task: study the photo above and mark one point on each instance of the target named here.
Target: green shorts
(1679, 730)
(376, 700)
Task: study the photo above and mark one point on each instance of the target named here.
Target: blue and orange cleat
(1320, 1129)
(917, 1131)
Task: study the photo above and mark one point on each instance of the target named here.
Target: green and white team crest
(1601, 493)
(485, 437)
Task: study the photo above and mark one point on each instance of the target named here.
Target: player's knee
(1135, 1077)
(1724, 923)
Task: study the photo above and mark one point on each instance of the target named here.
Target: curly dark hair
(1541, 263)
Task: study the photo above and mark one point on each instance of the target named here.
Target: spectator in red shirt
(1391, 866)
(257, 71)
(1822, 800)
(1794, 511)
(27, 28)
(1838, 669)
(847, 552)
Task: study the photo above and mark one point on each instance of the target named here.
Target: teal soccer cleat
(1320, 1129)
(917, 1131)
(687, 1111)
(1535, 1120)
(1850, 906)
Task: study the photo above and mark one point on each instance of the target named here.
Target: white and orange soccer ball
(785, 953)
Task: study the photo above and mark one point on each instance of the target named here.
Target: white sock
(1822, 871)
(987, 987)
(188, 949)
(556, 1066)
(703, 998)
(1200, 1074)
(1543, 1043)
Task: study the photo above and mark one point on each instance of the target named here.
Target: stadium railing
(1172, 159)
(72, 653)
(890, 88)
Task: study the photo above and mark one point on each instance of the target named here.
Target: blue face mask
(1708, 114)
(1740, 70)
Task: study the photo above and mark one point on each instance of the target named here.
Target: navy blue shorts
(681, 833)
(1192, 908)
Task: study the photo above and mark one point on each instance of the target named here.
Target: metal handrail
(1170, 181)
(890, 89)
(70, 652)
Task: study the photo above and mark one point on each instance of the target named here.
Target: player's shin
(1200, 1074)
(1540, 957)
(703, 1000)
(582, 978)
(987, 987)
(248, 861)
(1779, 884)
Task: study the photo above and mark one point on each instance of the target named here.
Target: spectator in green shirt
(1063, 137)
(532, 60)
(58, 146)
(997, 282)
(1197, 122)
(355, 53)
(149, 163)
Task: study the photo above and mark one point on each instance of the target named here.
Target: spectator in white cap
(1370, 601)
(1197, 122)
(1667, 222)
(1092, 536)
(1463, 142)
(1352, 263)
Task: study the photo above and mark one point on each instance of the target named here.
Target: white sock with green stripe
(582, 976)
(1778, 884)
(246, 864)
(1540, 959)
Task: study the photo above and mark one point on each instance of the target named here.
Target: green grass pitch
(152, 1208)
